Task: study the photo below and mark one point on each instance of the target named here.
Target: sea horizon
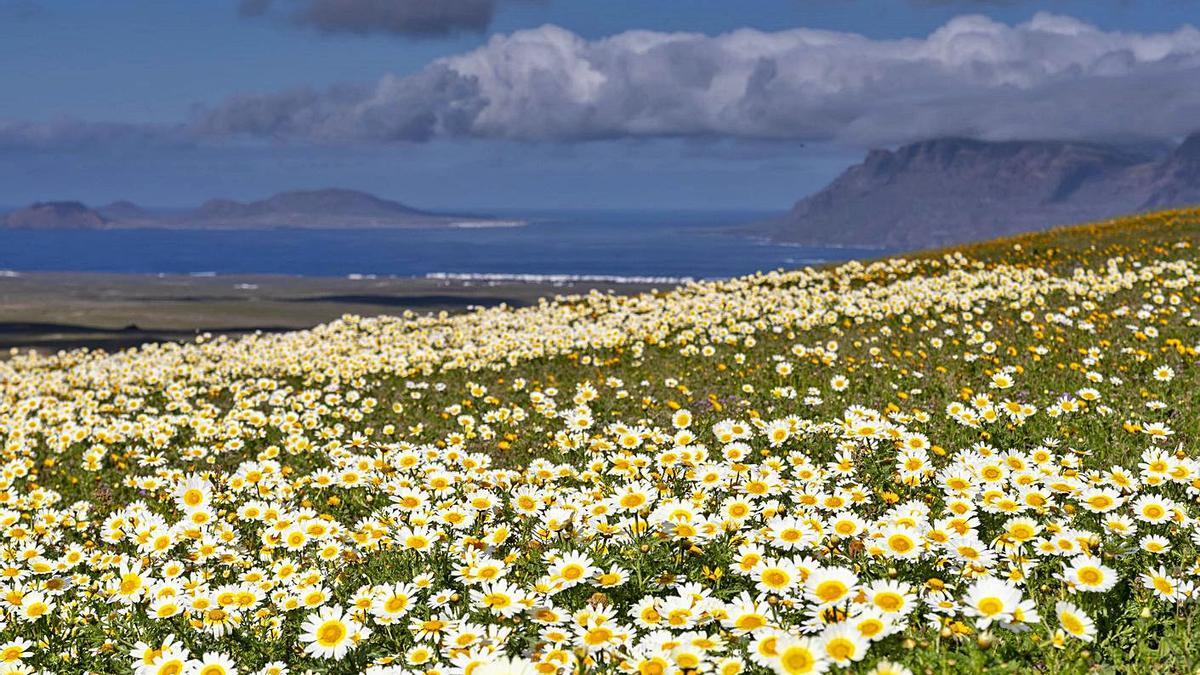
(583, 243)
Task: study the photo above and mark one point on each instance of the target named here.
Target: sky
(552, 104)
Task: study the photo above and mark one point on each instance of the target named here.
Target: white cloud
(1051, 77)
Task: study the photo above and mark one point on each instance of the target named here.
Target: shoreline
(466, 278)
(48, 311)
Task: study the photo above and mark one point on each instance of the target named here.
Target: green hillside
(973, 459)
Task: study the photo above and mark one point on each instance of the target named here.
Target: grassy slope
(881, 360)
(1142, 636)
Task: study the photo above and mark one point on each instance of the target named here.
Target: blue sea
(608, 243)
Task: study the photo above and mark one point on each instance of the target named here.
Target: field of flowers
(982, 459)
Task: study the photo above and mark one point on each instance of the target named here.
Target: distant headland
(331, 208)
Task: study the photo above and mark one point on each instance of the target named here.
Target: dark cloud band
(402, 17)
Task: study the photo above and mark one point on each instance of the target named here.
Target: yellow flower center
(840, 649)
(889, 602)
(870, 627)
(1071, 623)
(331, 633)
(130, 583)
(775, 578)
(598, 635)
(797, 660)
(991, 606)
(830, 591)
(750, 622)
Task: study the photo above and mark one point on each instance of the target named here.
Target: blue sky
(153, 64)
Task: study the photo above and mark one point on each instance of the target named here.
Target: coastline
(47, 311)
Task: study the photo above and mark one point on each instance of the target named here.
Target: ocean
(605, 244)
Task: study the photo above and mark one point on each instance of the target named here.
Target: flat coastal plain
(48, 311)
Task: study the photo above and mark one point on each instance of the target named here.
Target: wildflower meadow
(981, 459)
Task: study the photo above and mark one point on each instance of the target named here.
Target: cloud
(436, 102)
(403, 17)
(77, 135)
(1050, 77)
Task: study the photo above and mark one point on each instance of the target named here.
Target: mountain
(326, 202)
(316, 209)
(953, 190)
(1177, 180)
(123, 210)
(52, 215)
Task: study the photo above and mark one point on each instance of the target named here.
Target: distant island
(331, 208)
(952, 190)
